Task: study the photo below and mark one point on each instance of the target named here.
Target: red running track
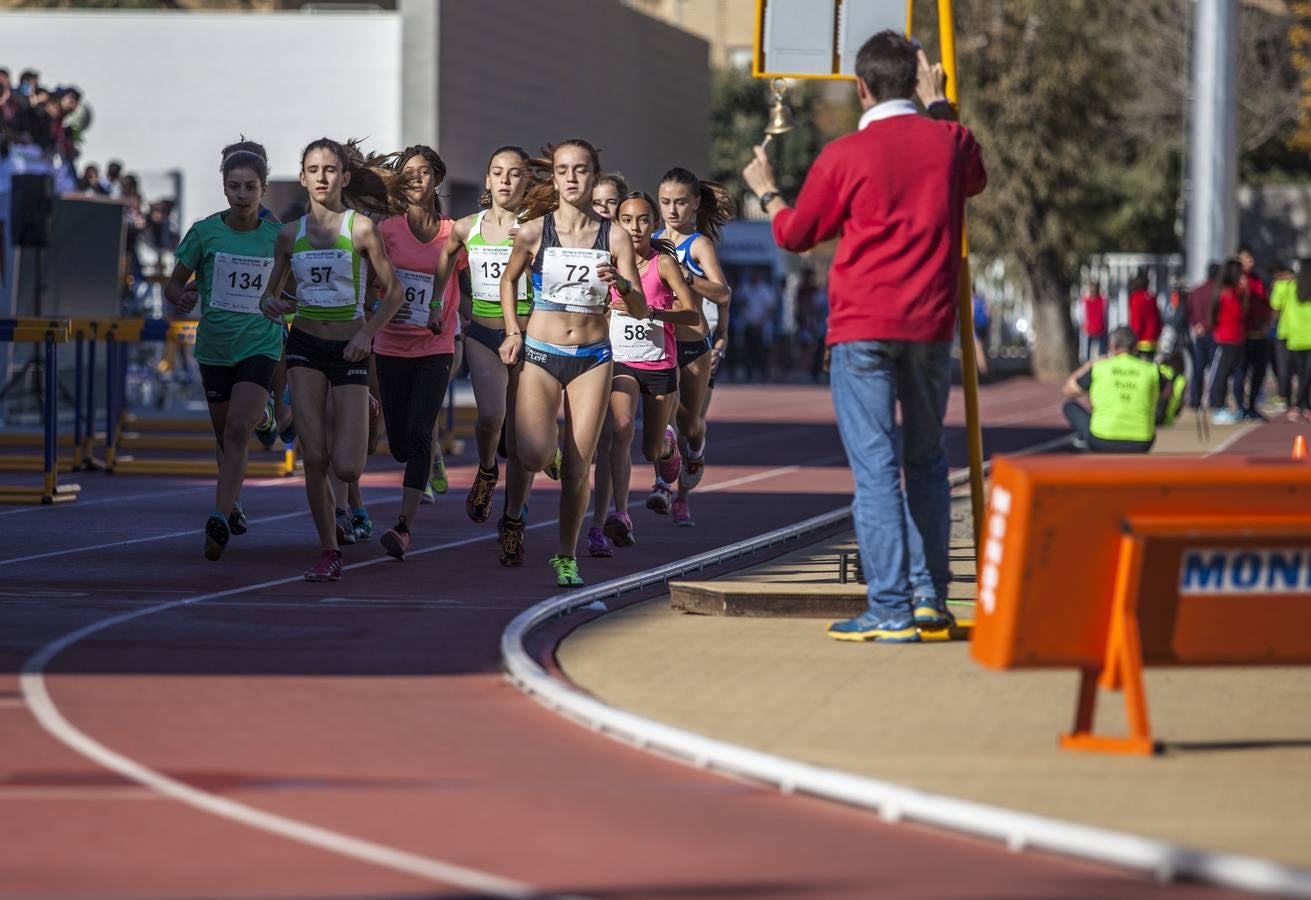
(369, 718)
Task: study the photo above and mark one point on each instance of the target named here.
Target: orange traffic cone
(1299, 447)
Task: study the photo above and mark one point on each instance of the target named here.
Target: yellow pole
(968, 363)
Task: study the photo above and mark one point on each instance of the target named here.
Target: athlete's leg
(431, 374)
(657, 415)
(309, 396)
(603, 473)
(350, 432)
(623, 409)
(694, 380)
(490, 379)
(518, 474)
(585, 402)
(218, 418)
(245, 410)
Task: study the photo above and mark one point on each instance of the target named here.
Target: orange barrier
(1110, 564)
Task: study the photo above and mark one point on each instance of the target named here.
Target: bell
(780, 115)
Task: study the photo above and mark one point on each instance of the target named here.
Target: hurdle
(50, 333)
(1110, 566)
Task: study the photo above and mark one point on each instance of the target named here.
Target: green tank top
(1124, 392)
(486, 263)
(329, 282)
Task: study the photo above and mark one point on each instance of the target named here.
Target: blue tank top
(684, 252)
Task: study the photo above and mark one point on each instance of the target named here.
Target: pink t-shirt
(646, 343)
(415, 263)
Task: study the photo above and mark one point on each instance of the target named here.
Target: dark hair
(29, 73)
(1230, 277)
(130, 182)
(1139, 281)
(888, 63)
(1245, 248)
(542, 197)
(659, 245)
(716, 203)
(245, 154)
(372, 190)
(114, 168)
(485, 198)
(389, 169)
(1213, 272)
(1122, 338)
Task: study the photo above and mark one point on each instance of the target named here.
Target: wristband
(623, 285)
(518, 334)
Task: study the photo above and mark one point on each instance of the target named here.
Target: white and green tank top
(329, 282)
(486, 263)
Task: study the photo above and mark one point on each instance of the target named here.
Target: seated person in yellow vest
(1123, 391)
(1174, 382)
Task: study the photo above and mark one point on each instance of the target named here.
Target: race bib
(418, 297)
(239, 282)
(324, 278)
(636, 340)
(711, 311)
(569, 278)
(486, 265)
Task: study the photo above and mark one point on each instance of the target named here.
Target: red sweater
(1229, 318)
(1259, 311)
(1094, 315)
(1144, 316)
(896, 192)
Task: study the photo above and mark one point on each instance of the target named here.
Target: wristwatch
(767, 198)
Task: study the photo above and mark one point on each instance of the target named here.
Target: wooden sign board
(820, 38)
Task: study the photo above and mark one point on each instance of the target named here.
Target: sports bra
(564, 278)
(646, 343)
(329, 282)
(486, 263)
(683, 250)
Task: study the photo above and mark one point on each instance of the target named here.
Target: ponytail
(485, 198)
(715, 207)
(541, 196)
(374, 189)
(389, 169)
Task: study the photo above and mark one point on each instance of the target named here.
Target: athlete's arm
(178, 292)
(368, 242)
(713, 285)
(685, 311)
(450, 256)
(1071, 388)
(632, 302)
(274, 303)
(526, 241)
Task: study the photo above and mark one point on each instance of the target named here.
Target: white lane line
(131, 792)
(193, 532)
(1234, 438)
(767, 474)
(33, 683)
(83, 504)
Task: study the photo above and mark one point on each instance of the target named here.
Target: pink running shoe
(670, 467)
(598, 544)
(693, 468)
(659, 499)
(396, 543)
(682, 515)
(619, 528)
(328, 568)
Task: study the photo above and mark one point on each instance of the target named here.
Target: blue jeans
(1203, 347)
(903, 534)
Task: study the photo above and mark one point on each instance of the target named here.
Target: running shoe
(428, 497)
(345, 528)
(395, 542)
(1225, 417)
(681, 513)
(619, 528)
(438, 483)
(361, 527)
(868, 627)
(566, 571)
(598, 544)
(552, 469)
(670, 467)
(660, 498)
(217, 534)
(267, 430)
(511, 541)
(931, 614)
(328, 568)
(288, 434)
(478, 505)
(237, 519)
(693, 468)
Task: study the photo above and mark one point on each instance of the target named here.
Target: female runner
(414, 351)
(695, 212)
(231, 254)
(645, 365)
(575, 257)
(330, 252)
(486, 237)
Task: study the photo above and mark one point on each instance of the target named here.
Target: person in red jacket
(1093, 308)
(1249, 377)
(1229, 319)
(1144, 316)
(895, 192)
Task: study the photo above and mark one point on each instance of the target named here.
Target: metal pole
(1213, 206)
(968, 364)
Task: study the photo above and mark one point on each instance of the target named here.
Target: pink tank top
(646, 343)
(407, 334)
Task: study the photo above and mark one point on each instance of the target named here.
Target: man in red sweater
(1144, 315)
(1094, 322)
(895, 191)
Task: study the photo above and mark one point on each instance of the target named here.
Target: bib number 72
(577, 272)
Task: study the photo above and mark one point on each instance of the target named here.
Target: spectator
(982, 316)
(759, 301)
(76, 117)
(1174, 384)
(893, 193)
(1249, 377)
(13, 109)
(1093, 322)
(1144, 316)
(1123, 390)
(114, 177)
(91, 181)
(1283, 291)
(1228, 315)
(29, 83)
(135, 217)
(1295, 318)
(1201, 326)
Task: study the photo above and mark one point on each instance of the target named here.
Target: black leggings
(1228, 357)
(411, 391)
(1299, 364)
